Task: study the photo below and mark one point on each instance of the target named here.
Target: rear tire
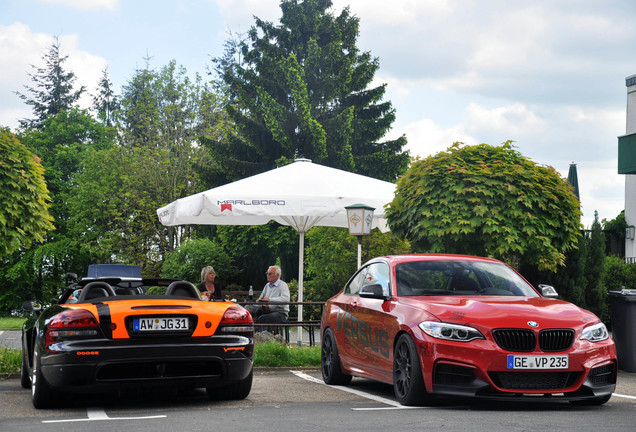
(25, 378)
(234, 391)
(42, 395)
(330, 361)
(408, 382)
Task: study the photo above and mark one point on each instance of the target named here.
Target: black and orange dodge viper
(109, 335)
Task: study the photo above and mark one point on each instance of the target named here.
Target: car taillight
(71, 324)
(236, 320)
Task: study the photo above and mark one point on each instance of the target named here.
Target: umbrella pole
(301, 249)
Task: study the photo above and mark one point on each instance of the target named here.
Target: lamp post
(359, 219)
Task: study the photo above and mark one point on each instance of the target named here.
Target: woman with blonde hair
(210, 290)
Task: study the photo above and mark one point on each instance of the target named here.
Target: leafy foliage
(255, 248)
(162, 115)
(303, 89)
(596, 294)
(332, 255)
(62, 142)
(187, 261)
(106, 102)
(490, 201)
(24, 197)
(618, 274)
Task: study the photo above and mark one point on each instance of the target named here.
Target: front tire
(330, 361)
(408, 382)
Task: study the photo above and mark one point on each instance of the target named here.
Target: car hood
(496, 311)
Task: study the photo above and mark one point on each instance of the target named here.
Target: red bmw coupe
(464, 326)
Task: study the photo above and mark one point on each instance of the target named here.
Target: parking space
(298, 400)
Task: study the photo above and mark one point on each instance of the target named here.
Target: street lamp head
(359, 219)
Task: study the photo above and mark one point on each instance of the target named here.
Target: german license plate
(538, 362)
(161, 324)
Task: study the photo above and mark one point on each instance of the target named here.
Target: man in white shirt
(275, 290)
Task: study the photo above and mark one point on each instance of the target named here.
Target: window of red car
(436, 277)
(378, 273)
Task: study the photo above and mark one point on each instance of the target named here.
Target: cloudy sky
(549, 75)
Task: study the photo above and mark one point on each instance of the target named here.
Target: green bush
(10, 360)
(618, 274)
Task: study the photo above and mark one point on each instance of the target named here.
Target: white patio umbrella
(302, 195)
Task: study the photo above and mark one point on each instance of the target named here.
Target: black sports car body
(113, 337)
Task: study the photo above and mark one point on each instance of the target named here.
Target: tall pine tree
(105, 102)
(303, 89)
(596, 294)
(52, 89)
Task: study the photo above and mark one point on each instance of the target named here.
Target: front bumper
(95, 366)
(478, 369)
(462, 381)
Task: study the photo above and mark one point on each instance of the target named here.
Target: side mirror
(70, 277)
(548, 291)
(374, 291)
(32, 306)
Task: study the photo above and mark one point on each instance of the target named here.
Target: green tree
(254, 248)
(165, 112)
(52, 89)
(24, 198)
(596, 294)
(105, 102)
(114, 206)
(62, 143)
(569, 281)
(187, 261)
(303, 88)
(331, 257)
(614, 231)
(489, 201)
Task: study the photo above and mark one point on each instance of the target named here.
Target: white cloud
(426, 138)
(20, 48)
(238, 15)
(510, 121)
(396, 13)
(86, 4)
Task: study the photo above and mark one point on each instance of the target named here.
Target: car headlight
(595, 333)
(452, 332)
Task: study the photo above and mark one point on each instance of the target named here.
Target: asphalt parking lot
(298, 400)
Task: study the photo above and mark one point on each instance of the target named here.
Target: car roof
(396, 259)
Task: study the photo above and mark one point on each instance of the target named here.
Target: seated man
(275, 290)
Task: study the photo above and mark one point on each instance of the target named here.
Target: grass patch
(11, 323)
(275, 354)
(10, 360)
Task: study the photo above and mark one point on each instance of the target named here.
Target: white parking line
(393, 404)
(623, 396)
(98, 414)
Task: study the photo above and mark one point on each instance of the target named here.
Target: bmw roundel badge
(533, 324)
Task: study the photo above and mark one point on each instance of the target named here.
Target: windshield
(426, 278)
